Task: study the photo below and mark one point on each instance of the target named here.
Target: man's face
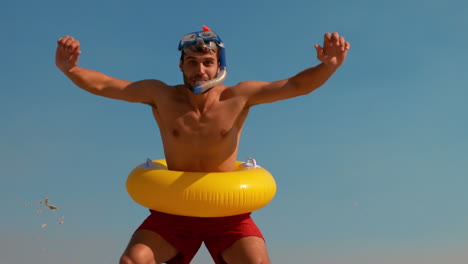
(199, 67)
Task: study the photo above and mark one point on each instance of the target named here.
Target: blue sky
(371, 168)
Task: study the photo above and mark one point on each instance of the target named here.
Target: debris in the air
(46, 202)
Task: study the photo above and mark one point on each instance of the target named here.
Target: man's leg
(147, 247)
(247, 250)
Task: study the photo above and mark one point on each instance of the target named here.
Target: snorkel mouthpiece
(201, 88)
(206, 39)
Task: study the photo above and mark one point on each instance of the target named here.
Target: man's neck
(200, 102)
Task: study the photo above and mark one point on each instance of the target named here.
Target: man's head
(202, 60)
(198, 67)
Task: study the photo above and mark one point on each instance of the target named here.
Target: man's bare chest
(218, 121)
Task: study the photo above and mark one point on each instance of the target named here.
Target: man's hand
(334, 50)
(66, 56)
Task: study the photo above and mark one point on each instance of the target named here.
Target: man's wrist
(67, 70)
(330, 67)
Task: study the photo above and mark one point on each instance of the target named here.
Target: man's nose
(200, 68)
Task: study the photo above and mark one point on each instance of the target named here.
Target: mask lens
(208, 34)
(211, 45)
(189, 37)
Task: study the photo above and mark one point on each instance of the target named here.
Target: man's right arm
(66, 59)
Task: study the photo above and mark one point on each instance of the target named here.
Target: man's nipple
(175, 133)
(224, 133)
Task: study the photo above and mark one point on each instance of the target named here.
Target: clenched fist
(66, 56)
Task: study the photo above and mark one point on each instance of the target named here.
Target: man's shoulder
(249, 83)
(151, 82)
(155, 85)
(246, 87)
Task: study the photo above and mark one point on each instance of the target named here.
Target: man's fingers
(69, 39)
(331, 39)
(75, 46)
(68, 44)
(318, 48)
(63, 40)
(335, 38)
(326, 39)
(342, 43)
(74, 56)
(320, 53)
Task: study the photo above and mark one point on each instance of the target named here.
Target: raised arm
(66, 59)
(332, 55)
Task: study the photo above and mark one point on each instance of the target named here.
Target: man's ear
(180, 65)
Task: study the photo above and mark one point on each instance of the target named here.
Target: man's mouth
(199, 82)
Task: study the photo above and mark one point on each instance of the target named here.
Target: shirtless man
(200, 128)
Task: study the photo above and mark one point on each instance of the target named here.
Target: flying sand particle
(46, 202)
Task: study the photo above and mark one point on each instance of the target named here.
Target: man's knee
(249, 260)
(124, 259)
(147, 247)
(260, 259)
(138, 254)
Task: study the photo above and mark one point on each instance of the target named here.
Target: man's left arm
(332, 55)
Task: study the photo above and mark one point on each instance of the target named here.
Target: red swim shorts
(186, 233)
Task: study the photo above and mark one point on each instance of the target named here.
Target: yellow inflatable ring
(200, 194)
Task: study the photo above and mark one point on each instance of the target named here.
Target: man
(200, 123)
